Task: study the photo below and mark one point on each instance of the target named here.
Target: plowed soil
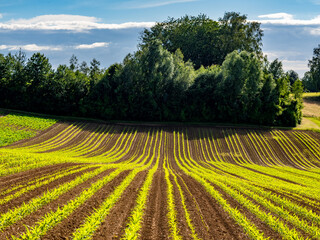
(192, 147)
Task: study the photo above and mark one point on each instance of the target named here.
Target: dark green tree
(70, 89)
(240, 87)
(95, 72)
(103, 99)
(202, 96)
(39, 75)
(293, 76)
(269, 101)
(205, 41)
(311, 79)
(239, 34)
(153, 82)
(73, 63)
(276, 69)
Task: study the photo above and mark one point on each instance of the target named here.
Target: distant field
(310, 111)
(311, 104)
(311, 95)
(98, 181)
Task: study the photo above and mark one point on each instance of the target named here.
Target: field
(311, 111)
(15, 127)
(110, 181)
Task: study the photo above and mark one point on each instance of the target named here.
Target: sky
(109, 29)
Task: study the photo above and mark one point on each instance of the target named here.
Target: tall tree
(39, 76)
(240, 87)
(153, 82)
(276, 69)
(73, 63)
(205, 41)
(311, 79)
(293, 76)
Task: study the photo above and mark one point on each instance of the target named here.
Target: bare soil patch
(311, 108)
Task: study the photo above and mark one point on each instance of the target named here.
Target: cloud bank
(93, 45)
(67, 22)
(30, 47)
(287, 19)
(37, 48)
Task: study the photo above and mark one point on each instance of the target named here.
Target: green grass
(315, 120)
(17, 126)
(10, 135)
(313, 96)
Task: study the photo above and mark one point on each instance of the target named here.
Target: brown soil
(65, 229)
(311, 108)
(205, 144)
(268, 232)
(19, 227)
(20, 177)
(115, 223)
(155, 225)
(220, 224)
(42, 136)
(36, 192)
(78, 137)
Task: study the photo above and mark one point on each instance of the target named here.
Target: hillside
(85, 180)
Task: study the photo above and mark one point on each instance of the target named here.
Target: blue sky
(108, 30)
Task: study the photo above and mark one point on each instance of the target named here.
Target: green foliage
(10, 135)
(149, 86)
(231, 83)
(311, 79)
(205, 41)
(34, 86)
(275, 68)
(27, 121)
(240, 87)
(293, 76)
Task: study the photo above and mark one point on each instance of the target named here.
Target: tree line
(189, 69)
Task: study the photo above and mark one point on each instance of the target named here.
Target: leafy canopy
(205, 41)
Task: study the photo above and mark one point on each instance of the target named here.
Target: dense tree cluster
(33, 85)
(204, 41)
(157, 84)
(311, 79)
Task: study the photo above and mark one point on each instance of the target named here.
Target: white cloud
(93, 45)
(277, 16)
(1, 15)
(30, 47)
(67, 22)
(314, 31)
(287, 19)
(37, 48)
(300, 66)
(158, 3)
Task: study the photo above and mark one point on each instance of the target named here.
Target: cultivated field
(96, 181)
(311, 111)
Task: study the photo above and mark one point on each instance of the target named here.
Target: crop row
(259, 178)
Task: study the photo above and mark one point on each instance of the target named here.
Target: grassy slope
(17, 126)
